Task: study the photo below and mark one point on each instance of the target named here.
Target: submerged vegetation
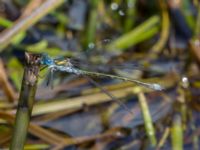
(118, 74)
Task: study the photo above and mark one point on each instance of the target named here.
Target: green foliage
(15, 70)
(5, 22)
(142, 32)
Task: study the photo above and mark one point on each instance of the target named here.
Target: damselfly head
(46, 60)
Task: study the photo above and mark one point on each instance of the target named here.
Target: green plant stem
(147, 119)
(163, 138)
(26, 22)
(177, 133)
(132, 37)
(25, 104)
(158, 47)
(91, 29)
(131, 11)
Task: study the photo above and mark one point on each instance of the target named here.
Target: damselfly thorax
(64, 62)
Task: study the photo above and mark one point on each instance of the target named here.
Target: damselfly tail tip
(157, 87)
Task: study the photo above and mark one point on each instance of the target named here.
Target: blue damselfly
(65, 65)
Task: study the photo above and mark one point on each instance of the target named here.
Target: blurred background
(152, 41)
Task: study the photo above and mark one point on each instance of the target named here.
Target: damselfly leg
(50, 78)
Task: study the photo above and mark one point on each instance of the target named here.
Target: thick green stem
(26, 100)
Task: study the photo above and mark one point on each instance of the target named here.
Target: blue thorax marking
(46, 60)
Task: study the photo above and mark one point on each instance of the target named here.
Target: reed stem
(26, 100)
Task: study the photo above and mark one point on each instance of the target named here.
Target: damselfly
(65, 65)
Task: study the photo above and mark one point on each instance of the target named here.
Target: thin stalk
(163, 139)
(177, 133)
(131, 11)
(91, 29)
(183, 106)
(26, 99)
(184, 112)
(131, 38)
(158, 47)
(147, 119)
(26, 22)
